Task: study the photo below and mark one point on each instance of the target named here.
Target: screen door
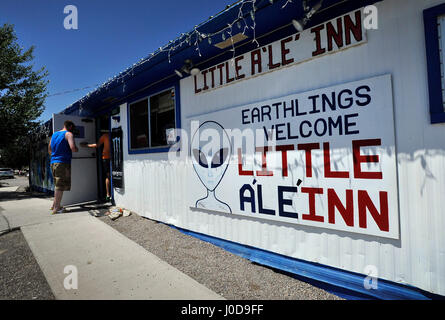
(83, 163)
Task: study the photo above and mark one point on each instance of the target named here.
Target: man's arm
(98, 144)
(89, 145)
(49, 147)
(70, 138)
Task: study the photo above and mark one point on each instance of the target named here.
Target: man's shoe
(61, 210)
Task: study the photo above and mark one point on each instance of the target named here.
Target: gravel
(21, 277)
(229, 275)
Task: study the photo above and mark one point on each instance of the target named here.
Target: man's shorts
(62, 176)
(106, 167)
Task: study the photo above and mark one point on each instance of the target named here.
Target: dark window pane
(139, 124)
(162, 117)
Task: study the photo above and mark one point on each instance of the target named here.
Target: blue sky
(111, 36)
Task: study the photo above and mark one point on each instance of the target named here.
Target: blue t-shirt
(60, 148)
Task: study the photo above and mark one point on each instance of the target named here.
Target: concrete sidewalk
(18, 210)
(109, 265)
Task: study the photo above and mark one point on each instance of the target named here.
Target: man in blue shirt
(60, 148)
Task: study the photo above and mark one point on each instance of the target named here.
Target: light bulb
(299, 25)
(194, 71)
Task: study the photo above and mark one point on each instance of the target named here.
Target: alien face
(210, 152)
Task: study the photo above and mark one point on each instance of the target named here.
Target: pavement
(83, 258)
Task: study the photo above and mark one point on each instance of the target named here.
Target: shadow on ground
(97, 209)
(19, 195)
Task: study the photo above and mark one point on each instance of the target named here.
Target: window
(441, 36)
(162, 117)
(139, 124)
(151, 119)
(434, 20)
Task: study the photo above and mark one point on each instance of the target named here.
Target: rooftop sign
(337, 34)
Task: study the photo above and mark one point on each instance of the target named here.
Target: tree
(22, 94)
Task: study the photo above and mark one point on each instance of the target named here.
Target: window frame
(436, 99)
(148, 95)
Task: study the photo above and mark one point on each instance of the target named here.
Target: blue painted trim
(437, 117)
(340, 282)
(433, 62)
(147, 94)
(148, 150)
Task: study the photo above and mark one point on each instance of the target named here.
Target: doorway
(83, 163)
(103, 158)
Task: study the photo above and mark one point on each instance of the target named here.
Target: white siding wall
(157, 188)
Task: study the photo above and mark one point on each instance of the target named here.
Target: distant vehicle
(23, 172)
(6, 173)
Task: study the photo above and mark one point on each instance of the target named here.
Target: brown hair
(69, 125)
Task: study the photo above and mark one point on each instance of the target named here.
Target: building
(344, 178)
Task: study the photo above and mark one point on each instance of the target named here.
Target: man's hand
(88, 145)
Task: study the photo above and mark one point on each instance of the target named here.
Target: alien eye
(200, 158)
(220, 157)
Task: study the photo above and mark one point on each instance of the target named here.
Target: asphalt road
(20, 275)
(21, 182)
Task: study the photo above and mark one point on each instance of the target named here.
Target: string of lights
(247, 9)
(197, 37)
(71, 91)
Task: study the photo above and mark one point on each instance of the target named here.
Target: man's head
(69, 125)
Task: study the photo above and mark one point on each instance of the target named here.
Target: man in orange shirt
(106, 154)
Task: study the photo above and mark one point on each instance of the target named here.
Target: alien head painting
(210, 152)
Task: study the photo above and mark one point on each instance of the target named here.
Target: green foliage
(22, 95)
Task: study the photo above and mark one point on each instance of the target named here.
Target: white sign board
(324, 158)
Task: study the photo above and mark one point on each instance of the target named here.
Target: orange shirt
(105, 140)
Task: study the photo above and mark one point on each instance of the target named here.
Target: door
(83, 163)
